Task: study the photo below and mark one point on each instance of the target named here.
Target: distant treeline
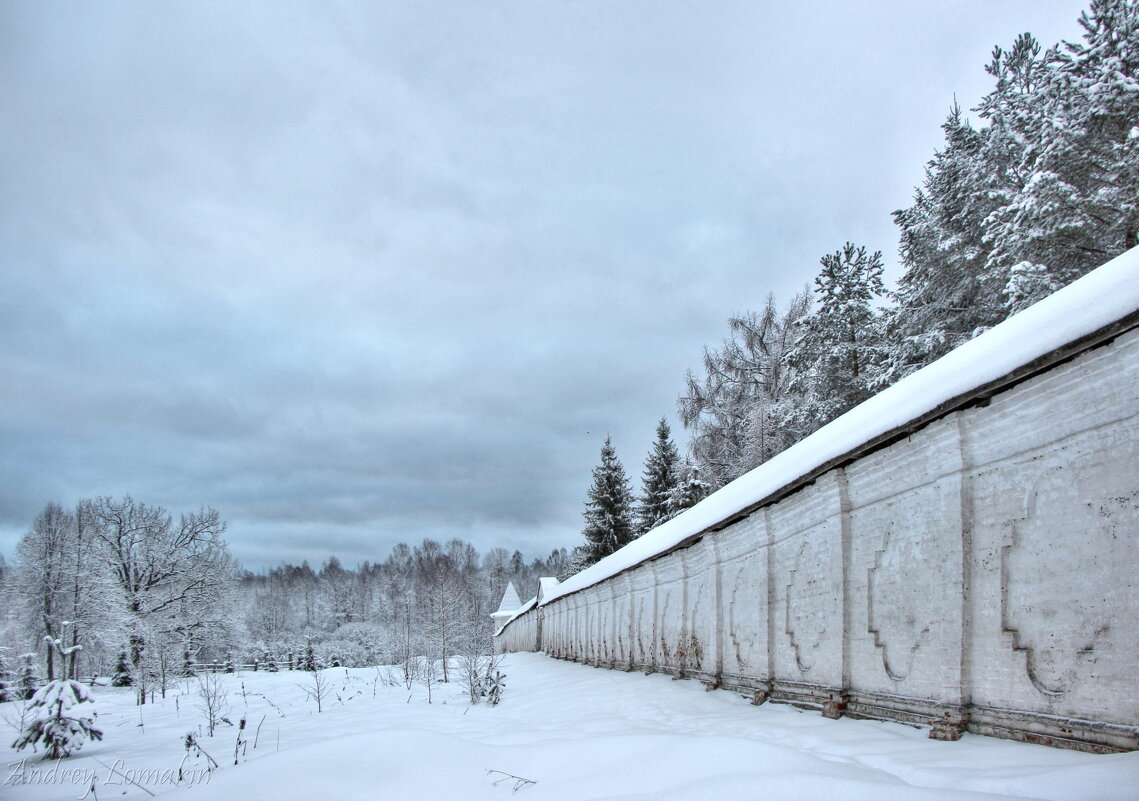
(117, 587)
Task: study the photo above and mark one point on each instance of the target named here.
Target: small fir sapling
(493, 686)
(62, 719)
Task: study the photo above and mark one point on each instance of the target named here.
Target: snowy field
(577, 732)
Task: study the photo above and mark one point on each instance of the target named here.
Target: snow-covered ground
(577, 732)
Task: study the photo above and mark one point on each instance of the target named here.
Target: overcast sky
(356, 274)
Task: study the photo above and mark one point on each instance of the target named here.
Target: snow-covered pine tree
(834, 360)
(62, 718)
(658, 481)
(609, 509)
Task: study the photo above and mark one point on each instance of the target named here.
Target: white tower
(511, 603)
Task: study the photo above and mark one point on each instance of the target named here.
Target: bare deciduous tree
(175, 577)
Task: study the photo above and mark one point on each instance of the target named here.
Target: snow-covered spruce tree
(121, 677)
(609, 509)
(62, 719)
(1042, 193)
(690, 488)
(942, 298)
(841, 344)
(1074, 108)
(658, 482)
(308, 659)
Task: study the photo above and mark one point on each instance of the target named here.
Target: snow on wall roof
(546, 585)
(1099, 299)
(510, 600)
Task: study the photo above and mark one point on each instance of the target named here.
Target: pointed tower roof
(510, 600)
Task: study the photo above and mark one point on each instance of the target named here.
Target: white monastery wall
(978, 573)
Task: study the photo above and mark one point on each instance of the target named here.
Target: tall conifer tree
(609, 510)
(658, 482)
(835, 358)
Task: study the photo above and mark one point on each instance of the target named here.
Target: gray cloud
(362, 273)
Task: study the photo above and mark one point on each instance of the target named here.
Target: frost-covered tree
(735, 413)
(61, 718)
(1073, 110)
(609, 508)
(449, 612)
(175, 578)
(29, 678)
(942, 298)
(690, 489)
(476, 662)
(7, 677)
(40, 574)
(61, 588)
(1044, 191)
(212, 700)
(659, 481)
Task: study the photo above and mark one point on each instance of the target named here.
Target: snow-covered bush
(475, 664)
(338, 652)
(62, 717)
